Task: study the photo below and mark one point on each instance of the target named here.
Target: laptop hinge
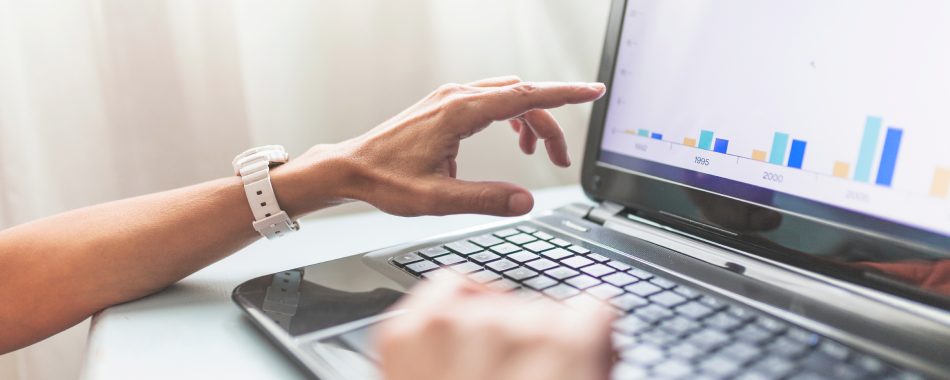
(604, 211)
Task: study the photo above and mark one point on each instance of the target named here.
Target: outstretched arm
(57, 271)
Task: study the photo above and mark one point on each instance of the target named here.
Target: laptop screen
(831, 110)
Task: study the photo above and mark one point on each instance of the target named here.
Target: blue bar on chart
(892, 143)
(644, 133)
(779, 142)
(872, 129)
(705, 140)
(797, 154)
(721, 145)
(656, 136)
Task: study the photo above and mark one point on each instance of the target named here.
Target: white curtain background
(107, 99)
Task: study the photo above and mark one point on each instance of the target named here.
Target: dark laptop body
(837, 290)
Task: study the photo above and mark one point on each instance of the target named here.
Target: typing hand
(406, 166)
(461, 331)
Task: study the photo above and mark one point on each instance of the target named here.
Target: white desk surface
(192, 329)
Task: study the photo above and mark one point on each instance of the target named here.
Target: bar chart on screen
(836, 113)
(788, 151)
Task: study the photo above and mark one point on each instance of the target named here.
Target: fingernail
(519, 204)
(597, 86)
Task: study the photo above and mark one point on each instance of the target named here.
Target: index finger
(508, 102)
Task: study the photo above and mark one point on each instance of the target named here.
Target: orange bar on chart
(689, 142)
(841, 169)
(941, 183)
(629, 131)
(758, 155)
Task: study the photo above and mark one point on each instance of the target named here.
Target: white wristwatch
(254, 168)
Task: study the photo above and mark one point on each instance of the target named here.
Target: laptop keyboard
(667, 330)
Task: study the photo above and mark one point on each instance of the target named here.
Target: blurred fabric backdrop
(107, 99)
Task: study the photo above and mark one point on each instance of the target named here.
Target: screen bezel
(630, 188)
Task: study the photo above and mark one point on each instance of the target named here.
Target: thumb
(456, 196)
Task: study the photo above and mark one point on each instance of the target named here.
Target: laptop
(771, 182)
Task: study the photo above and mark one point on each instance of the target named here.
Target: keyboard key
(640, 273)
(520, 239)
(653, 313)
(668, 299)
(618, 265)
(656, 337)
(560, 243)
(685, 350)
(556, 254)
(421, 267)
(797, 334)
(527, 229)
(437, 274)
(561, 292)
(501, 265)
(744, 315)
(771, 324)
(506, 232)
(630, 325)
(583, 302)
(869, 364)
(406, 259)
(679, 326)
(743, 352)
(523, 257)
(542, 265)
(450, 259)
(562, 273)
(694, 310)
(582, 282)
(504, 249)
(538, 246)
(463, 247)
(773, 366)
(619, 279)
(819, 362)
(753, 334)
(835, 350)
(540, 283)
(787, 347)
(466, 267)
(723, 321)
(713, 303)
(643, 289)
(662, 282)
(708, 339)
(543, 236)
(484, 257)
(579, 250)
(673, 369)
(720, 365)
(503, 285)
(643, 354)
(577, 262)
(433, 252)
(484, 277)
(605, 291)
(486, 240)
(624, 371)
(619, 340)
(598, 270)
(520, 274)
(598, 258)
(628, 302)
(687, 292)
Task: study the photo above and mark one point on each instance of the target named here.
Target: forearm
(57, 271)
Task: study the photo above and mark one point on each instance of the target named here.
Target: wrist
(316, 180)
